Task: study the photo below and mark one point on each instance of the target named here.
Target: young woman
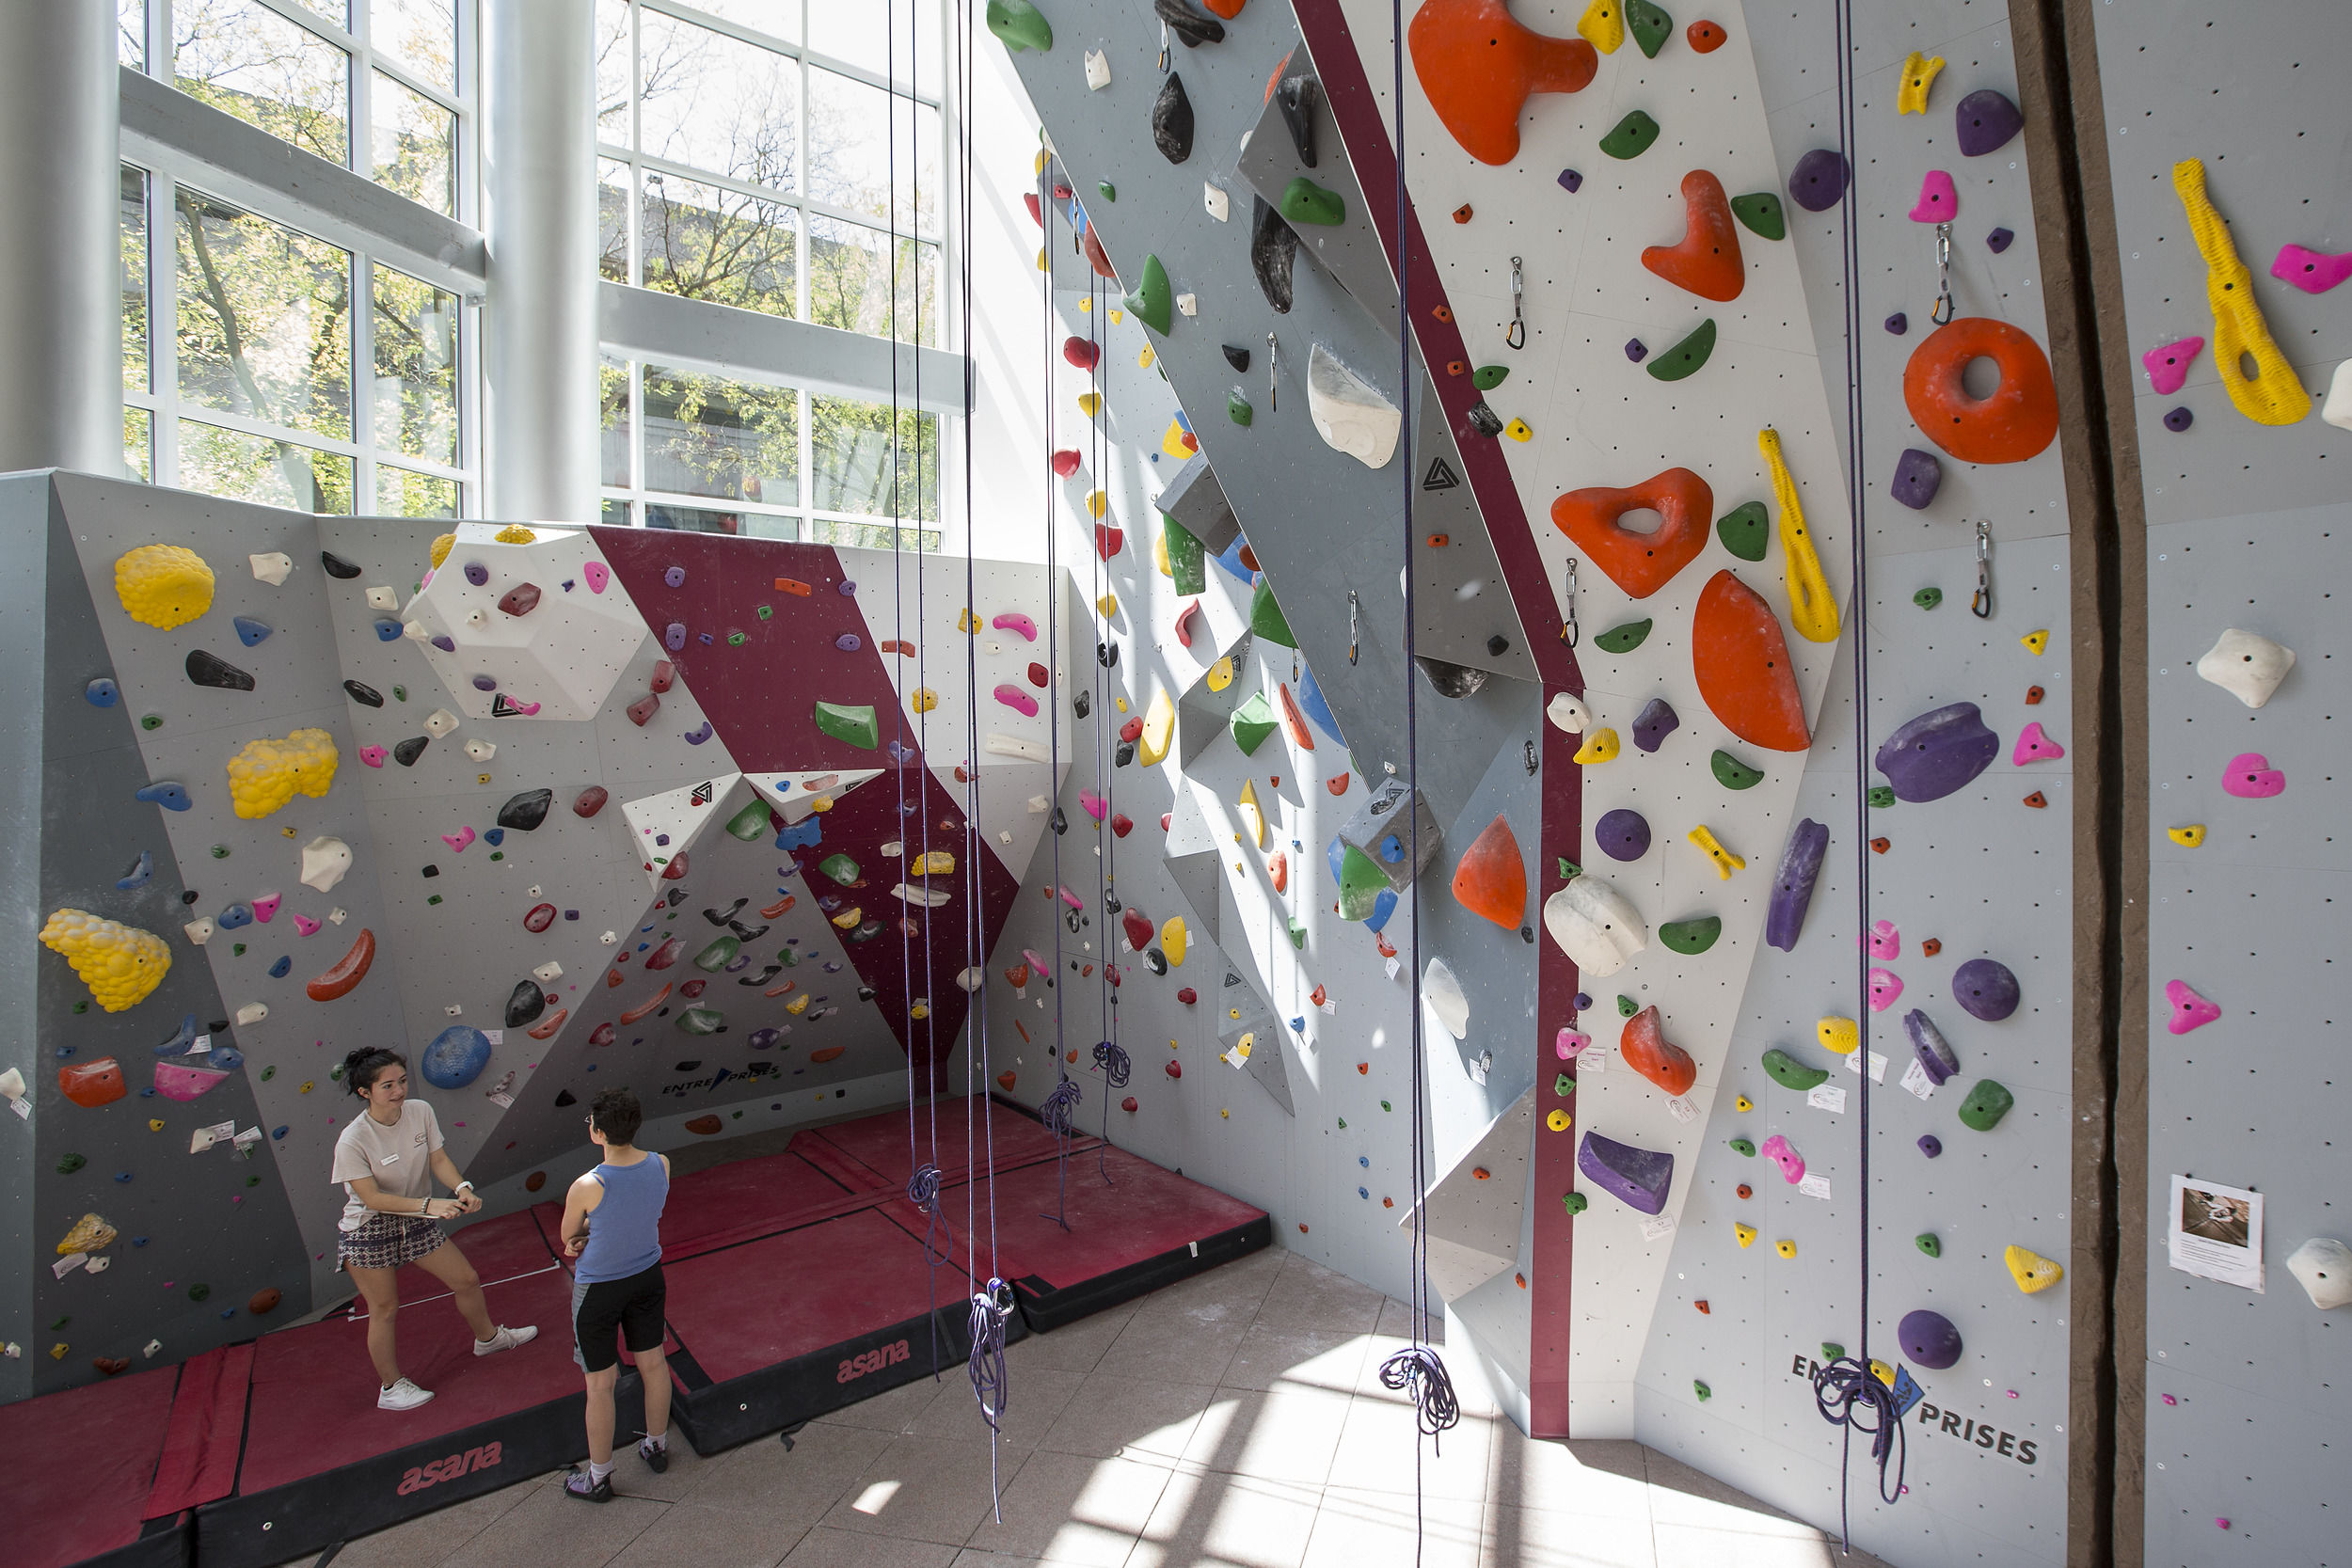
(617, 1285)
(387, 1159)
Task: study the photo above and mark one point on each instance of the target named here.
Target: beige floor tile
(799, 1485)
(927, 1489)
(1380, 1445)
(1077, 1347)
(687, 1471)
(1193, 1346)
(1582, 1477)
(1285, 1434)
(711, 1538)
(434, 1538)
(1308, 1295)
(1036, 1399)
(1112, 1415)
(1267, 1356)
(1359, 1528)
(893, 1410)
(1543, 1538)
(839, 1548)
(1066, 1508)
(1396, 1321)
(548, 1530)
(1227, 1521)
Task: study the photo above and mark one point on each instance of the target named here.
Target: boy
(617, 1285)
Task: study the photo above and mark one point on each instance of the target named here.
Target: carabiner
(1517, 336)
(1982, 603)
(1942, 312)
(1568, 632)
(1351, 625)
(1273, 386)
(1163, 48)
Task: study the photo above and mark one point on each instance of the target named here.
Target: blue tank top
(624, 1228)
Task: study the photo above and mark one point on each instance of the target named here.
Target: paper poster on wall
(2216, 1232)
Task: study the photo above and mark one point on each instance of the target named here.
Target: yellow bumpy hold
(162, 585)
(120, 963)
(2274, 396)
(1159, 731)
(442, 545)
(1602, 25)
(1919, 72)
(91, 1233)
(1725, 862)
(1599, 746)
(268, 773)
(936, 863)
(1838, 1036)
(2031, 1271)
(1811, 609)
(514, 533)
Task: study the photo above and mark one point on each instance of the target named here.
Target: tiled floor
(1234, 1420)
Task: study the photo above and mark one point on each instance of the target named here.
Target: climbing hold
(1654, 723)
(1304, 201)
(1649, 1052)
(1599, 746)
(346, 972)
(1649, 24)
(1252, 722)
(1792, 884)
(2188, 837)
(2313, 272)
(325, 861)
(1986, 1104)
(1171, 121)
(455, 1057)
(1019, 26)
(1762, 212)
(1840, 1037)
(1790, 1074)
(1938, 752)
(1490, 880)
(1937, 200)
(205, 669)
(1929, 1339)
(2179, 420)
(1622, 834)
(1640, 1178)
(1936, 1057)
(1567, 713)
(1744, 672)
(164, 586)
(1273, 249)
(2323, 1266)
(1917, 476)
(1744, 1147)
(1624, 638)
(1926, 598)
(1594, 925)
(1478, 66)
(1999, 239)
(1266, 616)
(1745, 531)
(1641, 563)
(120, 964)
(1984, 123)
(1237, 408)
(1778, 1149)
(1443, 994)
(2246, 665)
(1811, 609)
(1744, 1232)
(2190, 1010)
(2250, 777)
(1819, 181)
(2168, 363)
(589, 800)
(1725, 862)
(2034, 745)
(1151, 301)
(854, 724)
(1348, 412)
(1685, 357)
(1705, 261)
(2014, 422)
(2274, 395)
(1919, 74)
(1602, 25)
(2031, 1271)
(1986, 988)
(1692, 936)
(1631, 136)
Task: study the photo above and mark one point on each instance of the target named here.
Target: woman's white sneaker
(505, 1338)
(403, 1395)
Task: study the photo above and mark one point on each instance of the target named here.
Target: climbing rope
(1107, 791)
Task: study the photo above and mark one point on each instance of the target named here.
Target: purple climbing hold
(847, 642)
(445, 645)
(1986, 988)
(1929, 1145)
(1937, 753)
(1639, 1177)
(901, 753)
(477, 573)
(1985, 122)
(1936, 1057)
(764, 1039)
(1929, 1340)
(1917, 476)
(1792, 884)
(1899, 324)
(1819, 182)
(1654, 723)
(1583, 1000)
(848, 588)
(485, 683)
(1622, 834)
(697, 736)
(674, 578)
(673, 635)
(1999, 239)
(1636, 350)
(1570, 181)
(2179, 420)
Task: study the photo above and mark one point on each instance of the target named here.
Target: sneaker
(403, 1395)
(656, 1455)
(505, 1338)
(588, 1490)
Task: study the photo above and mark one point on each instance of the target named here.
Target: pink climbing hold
(458, 840)
(2250, 777)
(1184, 622)
(1885, 986)
(2168, 363)
(1938, 199)
(265, 906)
(2190, 1010)
(2034, 745)
(1568, 1042)
(305, 926)
(598, 573)
(1012, 620)
(1885, 940)
(1097, 806)
(1013, 697)
(2314, 272)
(1071, 899)
(373, 755)
(1791, 1163)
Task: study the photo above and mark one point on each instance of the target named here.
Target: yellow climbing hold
(162, 585)
(937, 863)
(120, 963)
(91, 1233)
(924, 700)
(442, 545)
(1039, 169)
(2031, 1271)
(1599, 746)
(1088, 402)
(1557, 1121)
(1787, 1249)
(1108, 606)
(267, 773)
(1841, 1036)
(848, 918)
(2035, 642)
(2188, 838)
(1743, 1103)
(1043, 265)
(1918, 76)
(1098, 502)
(154, 1124)
(966, 620)
(798, 1006)
(1745, 1232)
(1725, 862)
(1159, 554)
(1518, 430)
(1173, 439)
(1173, 935)
(1221, 673)
(1811, 609)
(1144, 359)
(1603, 25)
(1159, 729)
(1118, 315)
(1884, 1372)
(514, 533)
(1121, 704)
(1252, 815)
(2274, 396)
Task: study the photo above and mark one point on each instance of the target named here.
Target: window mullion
(163, 315)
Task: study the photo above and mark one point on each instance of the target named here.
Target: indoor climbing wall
(306, 785)
(2239, 333)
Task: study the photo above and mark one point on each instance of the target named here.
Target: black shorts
(633, 1306)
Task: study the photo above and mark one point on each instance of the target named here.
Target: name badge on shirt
(390, 1158)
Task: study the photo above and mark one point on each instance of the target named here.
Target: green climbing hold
(1624, 638)
(1186, 562)
(1384, 1105)
(1692, 936)
(1832, 1350)
(1745, 531)
(1635, 135)
(1265, 617)
(1110, 192)
(851, 723)
(788, 957)
(841, 868)
(1762, 214)
(1487, 378)
(720, 954)
(1575, 1203)
(1563, 1085)
(1298, 934)
(268, 1073)
(69, 1164)
(1928, 598)
(1252, 723)
(1791, 1073)
(1742, 1145)
(1569, 870)
(1019, 26)
(1304, 201)
(701, 1020)
(1732, 773)
(1153, 302)
(1882, 795)
(1627, 1007)
(198, 1292)
(750, 823)
(1986, 1104)
(1362, 883)
(1701, 1389)
(150, 721)
(1927, 1242)
(1237, 408)
(220, 851)
(1686, 357)
(1651, 27)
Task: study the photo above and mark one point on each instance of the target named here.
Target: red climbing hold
(1036, 210)
(641, 712)
(675, 869)
(1478, 66)
(348, 970)
(1121, 824)
(1173, 1070)
(1108, 541)
(1081, 353)
(1004, 1080)
(1879, 845)
(1706, 261)
(1337, 785)
(1038, 675)
(91, 1085)
(1138, 929)
(1187, 996)
(2037, 800)
(539, 919)
(1641, 563)
(1132, 729)
(1490, 880)
(1649, 1052)
(1183, 623)
(589, 800)
(1066, 462)
(1741, 657)
(522, 599)
(1279, 871)
(664, 672)
(2016, 422)
(1705, 37)
(1097, 257)
(1931, 946)
(1128, 1104)
(1295, 721)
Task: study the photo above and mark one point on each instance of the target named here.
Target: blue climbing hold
(696, 737)
(284, 965)
(234, 916)
(178, 1044)
(171, 797)
(455, 1059)
(102, 693)
(250, 632)
(806, 833)
(388, 632)
(280, 1132)
(1298, 1025)
(494, 837)
(1315, 705)
(137, 877)
(1383, 906)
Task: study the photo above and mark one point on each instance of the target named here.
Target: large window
(752, 160)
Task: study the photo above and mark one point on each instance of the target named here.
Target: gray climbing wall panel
(2245, 529)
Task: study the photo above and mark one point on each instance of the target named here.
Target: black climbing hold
(1189, 26)
(1273, 247)
(525, 1005)
(867, 994)
(563, 1098)
(427, 871)
(408, 751)
(1059, 820)
(365, 695)
(1237, 358)
(1083, 703)
(1498, 645)
(336, 567)
(1125, 754)
(1106, 654)
(1298, 97)
(1172, 120)
(525, 811)
(212, 670)
(1484, 419)
(1155, 960)
(1451, 680)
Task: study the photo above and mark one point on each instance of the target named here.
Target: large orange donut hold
(1641, 563)
(2014, 424)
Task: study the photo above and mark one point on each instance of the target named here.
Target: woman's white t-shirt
(400, 1157)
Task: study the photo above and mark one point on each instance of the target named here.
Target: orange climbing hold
(1705, 37)
(1279, 871)
(1295, 721)
(1741, 657)
(1490, 880)
(2015, 422)
(1226, 8)
(1641, 563)
(1097, 257)
(1337, 785)
(633, 1014)
(347, 973)
(1478, 66)
(91, 1084)
(1706, 261)
(1649, 1052)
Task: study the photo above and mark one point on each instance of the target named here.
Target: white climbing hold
(1596, 926)
(324, 861)
(999, 745)
(383, 597)
(416, 632)
(1216, 201)
(1570, 715)
(2337, 410)
(273, 568)
(2246, 665)
(2323, 1266)
(549, 972)
(1040, 805)
(1349, 413)
(439, 722)
(199, 932)
(1443, 993)
(1188, 304)
(253, 1012)
(609, 938)
(481, 751)
(973, 978)
(1098, 71)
